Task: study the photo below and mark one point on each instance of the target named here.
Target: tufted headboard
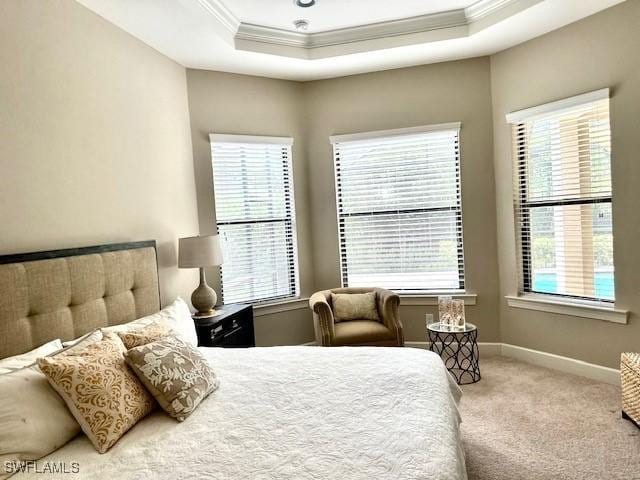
(66, 293)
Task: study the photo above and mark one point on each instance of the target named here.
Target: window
(255, 215)
(399, 209)
(563, 197)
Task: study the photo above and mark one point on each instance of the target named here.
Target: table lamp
(200, 252)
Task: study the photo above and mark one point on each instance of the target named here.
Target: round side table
(458, 349)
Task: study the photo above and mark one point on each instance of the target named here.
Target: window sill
(432, 299)
(575, 308)
(281, 306)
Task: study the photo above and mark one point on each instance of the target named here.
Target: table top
(222, 312)
(438, 327)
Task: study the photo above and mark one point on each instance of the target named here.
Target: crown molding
(484, 8)
(376, 36)
(271, 35)
(405, 26)
(222, 14)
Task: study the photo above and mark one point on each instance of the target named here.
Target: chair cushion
(357, 332)
(354, 306)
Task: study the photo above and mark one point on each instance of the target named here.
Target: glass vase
(444, 311)
(457, 314)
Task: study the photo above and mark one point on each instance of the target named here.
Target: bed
(279, 413)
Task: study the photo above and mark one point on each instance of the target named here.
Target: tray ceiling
(344, 36)
(335, 14)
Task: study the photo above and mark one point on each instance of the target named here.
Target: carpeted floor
(522, 422)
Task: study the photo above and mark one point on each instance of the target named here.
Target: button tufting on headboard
(66, 293)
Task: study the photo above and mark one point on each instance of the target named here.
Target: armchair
(386, 332)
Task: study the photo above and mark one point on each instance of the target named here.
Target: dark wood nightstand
(231, 327)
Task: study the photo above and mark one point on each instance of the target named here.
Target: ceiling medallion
(304, 3)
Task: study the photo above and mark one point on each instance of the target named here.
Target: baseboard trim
(564, 364)
(541, 359)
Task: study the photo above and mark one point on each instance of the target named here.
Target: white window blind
(562, 154)
(255, 215)
(399, 209)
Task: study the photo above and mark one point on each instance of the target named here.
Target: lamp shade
(194, 252)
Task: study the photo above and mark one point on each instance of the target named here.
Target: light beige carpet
(522, 422)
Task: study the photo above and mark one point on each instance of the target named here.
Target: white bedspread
(297, 413)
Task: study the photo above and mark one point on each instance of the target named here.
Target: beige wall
(600, 51)
(95, 144)
(97, 147)
(240, 104)
(310, 112)
(446, 92)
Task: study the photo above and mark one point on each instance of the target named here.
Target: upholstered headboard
(66, 293)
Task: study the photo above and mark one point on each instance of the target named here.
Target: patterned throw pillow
(354, 306)
(104, 396)
(143, 335)
(175, 372)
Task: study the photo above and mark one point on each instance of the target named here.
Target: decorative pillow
(34, 420)
(354, 306)
(17, 362)
(144, 335)
(176, 316)
(104, 396)
(175, 372)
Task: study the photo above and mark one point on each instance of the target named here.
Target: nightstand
(231, 327)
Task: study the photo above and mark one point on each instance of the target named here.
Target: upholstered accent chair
(385, 332)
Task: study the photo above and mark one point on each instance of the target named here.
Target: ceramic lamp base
(204, 298)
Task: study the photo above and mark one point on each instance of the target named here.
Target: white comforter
(297, 413)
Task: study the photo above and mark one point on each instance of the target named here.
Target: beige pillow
(17, 362)
(142, 336)
(176, 373)
(354, 306)
(104, 396)
(34, 420)
(176, 316)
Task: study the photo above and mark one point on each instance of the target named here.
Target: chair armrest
(323, 322)
(388, 303)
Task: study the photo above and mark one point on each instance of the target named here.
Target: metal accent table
(458, 349)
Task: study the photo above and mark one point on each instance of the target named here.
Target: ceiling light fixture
(301, 25)
(304, 3)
